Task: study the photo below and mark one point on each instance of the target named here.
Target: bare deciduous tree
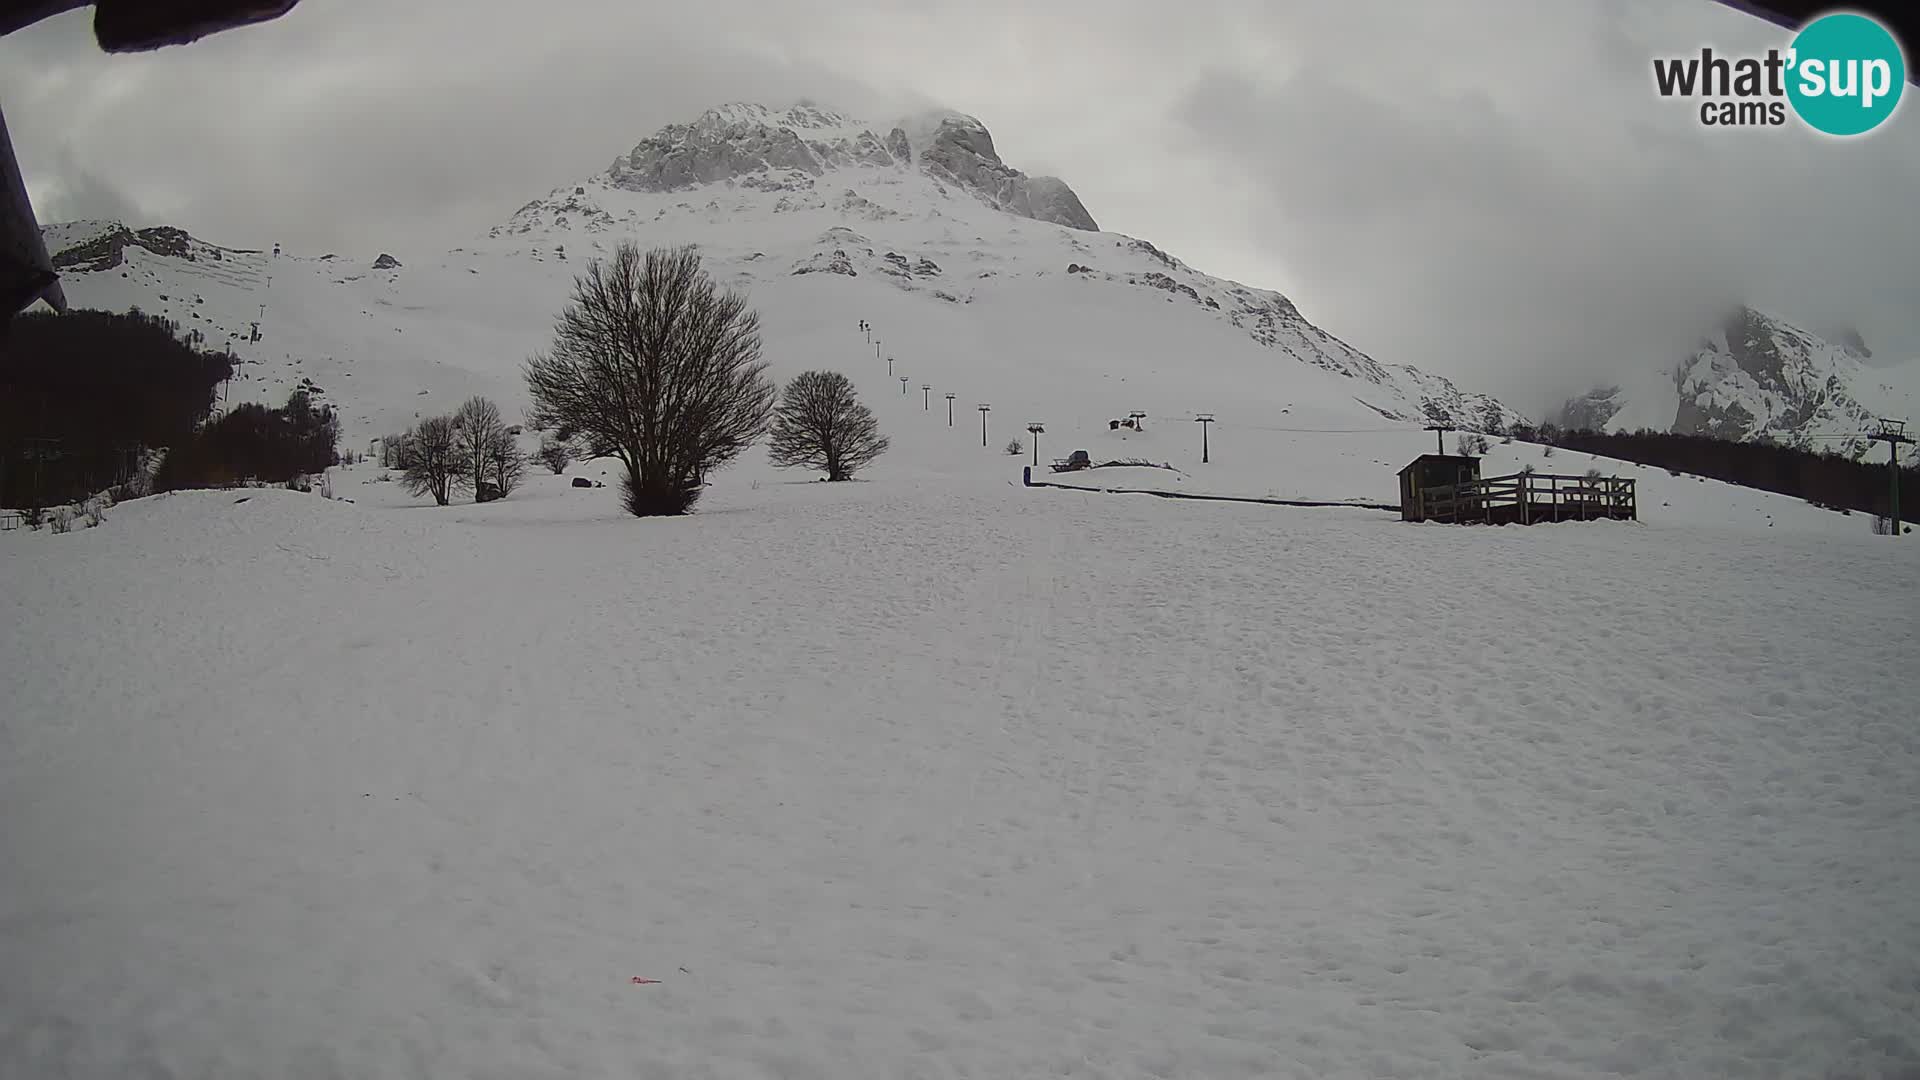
(653, 365)
(506, 463)
(477, 428)
(432, 460)
(821, 424)
(554, 454)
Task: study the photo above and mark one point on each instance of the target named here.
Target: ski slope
(389, 346)
(897, 779)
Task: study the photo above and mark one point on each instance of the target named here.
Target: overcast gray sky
(1491, 191)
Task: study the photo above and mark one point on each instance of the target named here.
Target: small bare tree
(821, 424)
(1015, 447)
(652, 364)
(477, 428)
(432, 460)
(506, 463)
(554, 454)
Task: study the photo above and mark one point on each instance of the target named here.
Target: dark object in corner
(140, 25)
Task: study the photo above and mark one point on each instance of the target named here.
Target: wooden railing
(1528, 498)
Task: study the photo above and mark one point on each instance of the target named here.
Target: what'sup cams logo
(1841, 75)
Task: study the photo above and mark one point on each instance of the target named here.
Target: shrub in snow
(554, 454)
(1015, 446)
(653, 365)
(822, 425)
(1546, 451)
(61, 519)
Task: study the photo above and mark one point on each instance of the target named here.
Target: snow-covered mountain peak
(1758, 375)
(811, 211)
(743, 144)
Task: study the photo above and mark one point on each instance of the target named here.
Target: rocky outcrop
(386, 262)
(753, 146)
(961, 152)
(1759, 376)
(1592, 411)
(1756, 376)
(107, 249)
(736, 142)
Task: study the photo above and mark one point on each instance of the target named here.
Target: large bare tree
(432, 460)
(653, 365)
(821, 424)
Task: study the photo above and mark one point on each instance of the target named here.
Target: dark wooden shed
(1430, 471)
(1449, 488)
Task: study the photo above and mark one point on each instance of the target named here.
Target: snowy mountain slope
(1758, 376)
(1059, 323)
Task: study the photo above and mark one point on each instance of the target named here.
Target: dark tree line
(1823, 478)
(82, 394)
(252, 441)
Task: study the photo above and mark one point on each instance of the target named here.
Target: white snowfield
(916, 779)
(935, 775)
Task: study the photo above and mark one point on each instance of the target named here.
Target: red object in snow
(638, 981)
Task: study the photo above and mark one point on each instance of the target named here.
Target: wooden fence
(1529, 499)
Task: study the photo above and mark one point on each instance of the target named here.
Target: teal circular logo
(1845, 74)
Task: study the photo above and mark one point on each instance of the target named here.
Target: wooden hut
(1430, 472)
(1449, 488)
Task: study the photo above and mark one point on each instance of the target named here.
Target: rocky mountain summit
(1756, 376)
(754, 146)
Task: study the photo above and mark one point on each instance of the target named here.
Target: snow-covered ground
(933, 774)
(914, 779)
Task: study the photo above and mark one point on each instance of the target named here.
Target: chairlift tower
(1893, 433)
